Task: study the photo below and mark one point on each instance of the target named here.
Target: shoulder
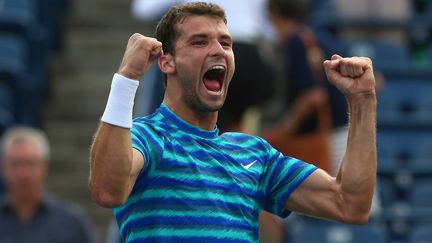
(70, 221)
(64, 209)
(148, 126)
(149, 136)
(146, 121)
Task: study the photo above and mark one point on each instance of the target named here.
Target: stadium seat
(322, 11)
(422, 194)
(421, 201)
(405, 104)
(20, 18)
(404, 157)
(421, 234)
(375, 10)
(13, 58)
(404, 145)
(16, 73)
(387, 191)
(421, 167)
(37, 23)
(397, 149)
(416, 209)
(385, 55)
(337, 233)
(17, 16)
(6, 107)
(49, 14)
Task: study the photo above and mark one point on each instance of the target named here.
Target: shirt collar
(45, 204)
(185, 126)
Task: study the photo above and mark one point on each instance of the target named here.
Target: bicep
(319, 196)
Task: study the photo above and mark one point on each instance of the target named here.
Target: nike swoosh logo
(248, 165)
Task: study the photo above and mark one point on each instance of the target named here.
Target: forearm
(111, 165)
(357, 174)
(347, 198)
(111, 161)
(114, 164)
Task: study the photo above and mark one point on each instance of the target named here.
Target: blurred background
(57, 58)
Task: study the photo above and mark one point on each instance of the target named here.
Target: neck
(203, 120)
(25, 207)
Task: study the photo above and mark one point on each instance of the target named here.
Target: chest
(204, 159)
(205, 170)
(43, 228)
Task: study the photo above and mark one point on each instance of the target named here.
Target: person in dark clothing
(304, 48)
(28, 214)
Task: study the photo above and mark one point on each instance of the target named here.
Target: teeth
(217, 67)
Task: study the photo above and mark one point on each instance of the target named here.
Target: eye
(199, 43)
(226, 44)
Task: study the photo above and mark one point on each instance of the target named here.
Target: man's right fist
(139, 54)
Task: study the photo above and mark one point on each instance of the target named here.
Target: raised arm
(346, 198)
(114, 164)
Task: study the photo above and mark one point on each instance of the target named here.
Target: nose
(23, 173)
(216, 49)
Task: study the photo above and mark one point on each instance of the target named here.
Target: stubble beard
(192, 100)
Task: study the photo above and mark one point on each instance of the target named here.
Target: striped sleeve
(145, 140)
(282, 175)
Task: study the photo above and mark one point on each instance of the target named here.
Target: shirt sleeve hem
(282, 211)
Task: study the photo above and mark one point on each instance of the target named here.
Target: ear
(167, 64)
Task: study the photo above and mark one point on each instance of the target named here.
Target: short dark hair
(166, 31)
(293, 9)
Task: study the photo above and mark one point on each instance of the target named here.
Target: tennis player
(171, 177)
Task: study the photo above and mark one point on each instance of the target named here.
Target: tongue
(212, 85)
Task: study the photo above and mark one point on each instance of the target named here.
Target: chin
(216, 106)
(212, 108)
(206, 107)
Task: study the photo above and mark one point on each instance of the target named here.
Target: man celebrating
(170, 177)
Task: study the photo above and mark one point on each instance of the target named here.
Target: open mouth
(213, 78)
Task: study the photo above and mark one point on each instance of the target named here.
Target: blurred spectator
(310, 102)
(113, 233)
(306, 84)
(303, 49)
(250, 28)
(27, 213)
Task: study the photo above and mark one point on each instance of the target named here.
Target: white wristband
(118, 110)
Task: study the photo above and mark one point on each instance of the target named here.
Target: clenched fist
(139, 54)
(353, 75)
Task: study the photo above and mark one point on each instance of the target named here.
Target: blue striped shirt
(198, 186)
